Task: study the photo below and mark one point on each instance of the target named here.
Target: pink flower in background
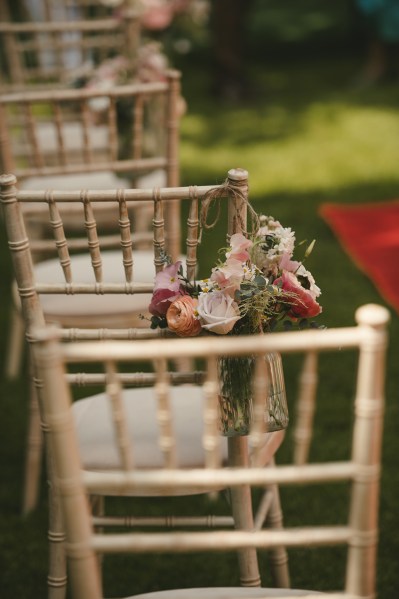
(182, 317)
(302, 301)
(157, 14)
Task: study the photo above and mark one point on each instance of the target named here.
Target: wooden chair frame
(21, 112)
(236, 192)
(106, 34)
(362, 468)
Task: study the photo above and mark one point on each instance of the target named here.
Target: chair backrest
(61, 132)
(49, 42)
(361, 469)
(48, 138)
(234, 191)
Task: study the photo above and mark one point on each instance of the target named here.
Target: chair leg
(57, 576)
(278, 556)
(305, 407)
(98, 509)
(16, 340)
(269, 513)
(34, 454)
(241, 505)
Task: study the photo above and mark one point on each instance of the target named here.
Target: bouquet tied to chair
(256, 287)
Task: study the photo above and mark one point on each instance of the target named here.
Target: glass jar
(235, 399)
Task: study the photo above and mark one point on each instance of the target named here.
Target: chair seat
(104, 180)
(69, 182)
(97, 440)
(86, 310)
(225, 593)
(73, 136)
(100, 180)
(58, 307)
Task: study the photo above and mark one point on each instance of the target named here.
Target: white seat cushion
(97, 439)
(70, 182)
(73, 136)
(87, 305)
(96, 435)
(225, 593)
(100, 180)
(72, 214)
(90, 306)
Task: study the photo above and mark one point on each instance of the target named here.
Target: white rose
(218, 312)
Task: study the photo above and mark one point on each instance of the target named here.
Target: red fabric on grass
(369, 233)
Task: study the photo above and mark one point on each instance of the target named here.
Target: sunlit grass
(330, 145)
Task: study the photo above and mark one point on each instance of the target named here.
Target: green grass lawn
(306, 137)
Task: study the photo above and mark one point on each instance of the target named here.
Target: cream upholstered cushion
(60, 307)
(73, 215)
(56, 307)
(82, 305)
(105, 213)
(224, 593)
(97, 440)
(96, 435)
(100, 180)
(73, 136)
(88, 308)
(70, 182)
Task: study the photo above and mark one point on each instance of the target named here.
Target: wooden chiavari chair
(56, 43)
(36, 144)
(361, 469)
(128, 287)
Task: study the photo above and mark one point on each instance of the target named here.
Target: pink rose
(181, 317)
(302, 302)
(218, 312)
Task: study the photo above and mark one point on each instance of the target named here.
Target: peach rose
(181, 317)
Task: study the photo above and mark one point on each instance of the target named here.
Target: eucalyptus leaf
(260, 281)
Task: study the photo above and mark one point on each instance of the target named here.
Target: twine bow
(228, 188)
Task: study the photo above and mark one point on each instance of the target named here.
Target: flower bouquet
(256, 288)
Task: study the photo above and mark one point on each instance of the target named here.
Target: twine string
(214, 195)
